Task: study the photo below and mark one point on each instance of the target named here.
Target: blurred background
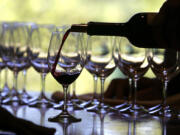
(61, 12)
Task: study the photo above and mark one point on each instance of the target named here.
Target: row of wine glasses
(134, 63)
(44, 48)
(14, 55)
(101, 60)
(24, 45)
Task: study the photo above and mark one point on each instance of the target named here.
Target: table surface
(94, 124)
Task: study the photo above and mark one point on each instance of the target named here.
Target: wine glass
(100, 60)
(165, 65)
(40, 35)
(5, 90)
(65, 65)
(17, 57)
(126, 105)
(94, 101)
(133, 63)
(73, 102)
(2, 66)
(24, 94)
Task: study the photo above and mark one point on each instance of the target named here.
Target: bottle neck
(101, 28)
(79, 28)
(106, 29)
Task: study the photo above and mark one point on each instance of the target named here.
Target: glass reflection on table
(94, 124)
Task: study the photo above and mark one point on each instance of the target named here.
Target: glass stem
(15, 81)
(95, 86)
(5, 87)
(130, 90)
(14, 90)
(25, 79)
(135, 93)
(65, 88)
(102, 91)
(43, 77)
(6, 75)
(164, 102)
(74, 91)
(68, 96)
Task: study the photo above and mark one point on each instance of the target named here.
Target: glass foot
(64, 117)
(90, 103)
(14, 99)
(41, 103)
(100, 109)
(5, 91)
(73, 106)
(134, 111)
(121, 105)
(70, 105)
(77, 101)
(164, 112)
(59, 106)
(154, 108)
(25, 95)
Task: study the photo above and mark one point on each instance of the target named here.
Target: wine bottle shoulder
(145, 18)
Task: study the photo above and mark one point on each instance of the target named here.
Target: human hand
(8, 122)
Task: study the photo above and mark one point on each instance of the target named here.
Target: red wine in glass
(65, 78)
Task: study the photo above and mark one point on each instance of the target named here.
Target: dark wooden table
(93, 124)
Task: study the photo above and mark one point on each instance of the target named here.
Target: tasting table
(95, 124)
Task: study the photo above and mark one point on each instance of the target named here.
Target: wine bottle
(138, 29)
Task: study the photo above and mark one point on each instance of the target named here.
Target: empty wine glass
(133, 63)
(2, 66)
(24, 95)
(94, 101)
(126, 104)
(65, 65)
(39, 41)
(5, 90)
(17, 57)
(100, 60)
(165, 65)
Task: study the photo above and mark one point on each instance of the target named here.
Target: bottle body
(138, 30)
